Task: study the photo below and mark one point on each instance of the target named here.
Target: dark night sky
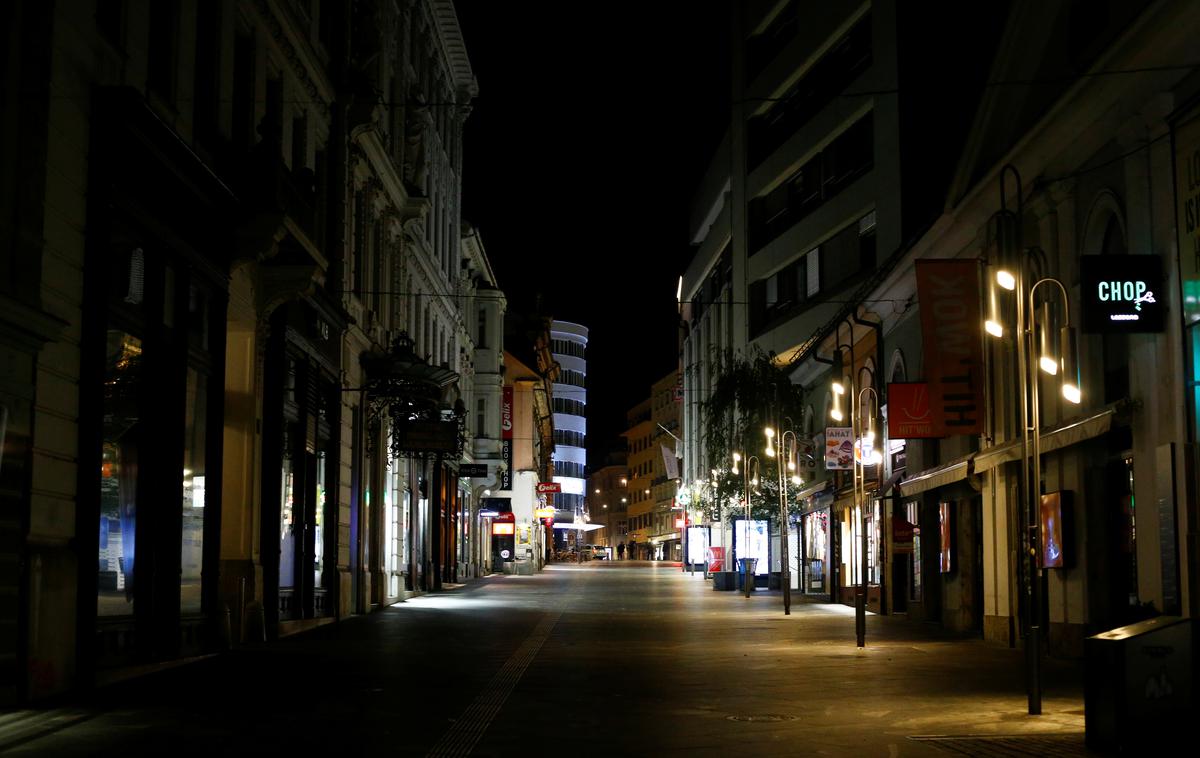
(593, 127)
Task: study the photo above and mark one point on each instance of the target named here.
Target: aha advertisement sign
(839, 448)
(506, 437)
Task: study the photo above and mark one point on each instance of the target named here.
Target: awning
(1064, 434)
(1069, 432)
(948, 473)
(814, 489)
(892, 481)
(582, 526)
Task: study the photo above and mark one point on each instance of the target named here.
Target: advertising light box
(753, 542)
(697, 537)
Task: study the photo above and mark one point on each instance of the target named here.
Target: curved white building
(568, 343)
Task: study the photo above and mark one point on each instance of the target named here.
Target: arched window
(866, 378)
(898, 372)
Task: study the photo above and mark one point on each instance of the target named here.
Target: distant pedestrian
(620, 550)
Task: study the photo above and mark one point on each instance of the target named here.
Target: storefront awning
(1069, 432)
(814, 489)
(939, 476)
(891, 482)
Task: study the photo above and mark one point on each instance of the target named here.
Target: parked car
(599, 552)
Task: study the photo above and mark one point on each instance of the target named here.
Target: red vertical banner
(951, 330)
(506, 437)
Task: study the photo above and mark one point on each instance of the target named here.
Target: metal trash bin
(747, 571)
(1138, 683)
(725, 581)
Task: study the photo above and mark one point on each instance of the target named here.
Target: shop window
(852, 545)
(395, 527)
(119, 474)
(319, 566)
(192, 536)
(914, 517)
(816, 549)
(1193, 343)
(287, 525)
(946, 537)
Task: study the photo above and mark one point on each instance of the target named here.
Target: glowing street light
(749, 480)
(1034, 338)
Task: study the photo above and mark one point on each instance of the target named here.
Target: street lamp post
(713, 508)
(752, 463)
(843, 385)
(1066, 366)
(785, 457)
(863, 439)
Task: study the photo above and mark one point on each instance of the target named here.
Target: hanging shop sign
(545, 487)
(472, 470)
(506, 437)
(951, 319)
(839, 448)
(434, 437)
(547, 512)
(1187, 200)
(1122, 293)
(909, 415)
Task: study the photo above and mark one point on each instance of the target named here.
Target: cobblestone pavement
(603, 658)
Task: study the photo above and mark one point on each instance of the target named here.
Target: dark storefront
(817, 549)
(299, 535)
(152, 370)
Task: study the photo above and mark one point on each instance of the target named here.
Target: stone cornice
(299, 53)
(450, 41)
(380, 165)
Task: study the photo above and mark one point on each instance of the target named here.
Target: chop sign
(1120, 293)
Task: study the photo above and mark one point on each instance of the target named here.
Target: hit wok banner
(948, 291)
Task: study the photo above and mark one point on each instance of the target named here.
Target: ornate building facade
(237, 267)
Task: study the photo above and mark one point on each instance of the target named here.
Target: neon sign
(1121, 293)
